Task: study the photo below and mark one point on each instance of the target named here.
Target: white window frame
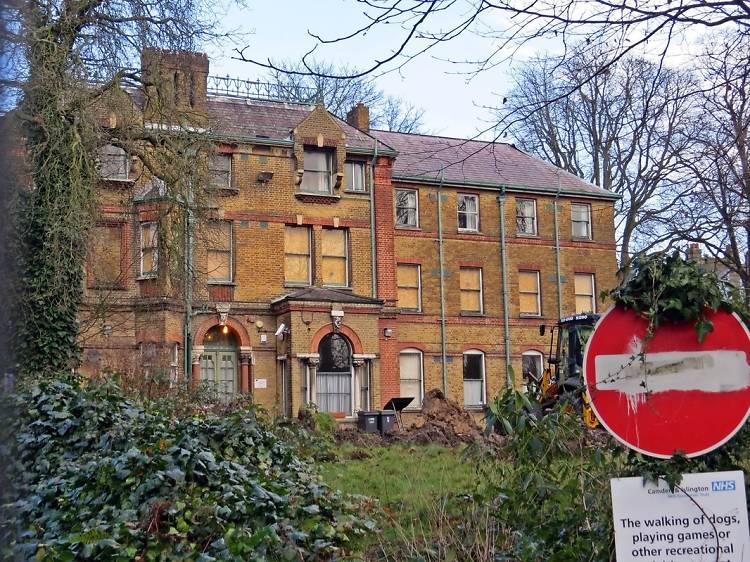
(468, 214)
(416, 208)
(352, 169)
(212, 170)
(532, 353)
(592, 296)
(416, 404)
(481, 290)
(535, 222)
(538, 295)
(419, 286)
(574, 222)
(483, 379)
(327, 172)
(109, 152)
(347, 281)
(155, 249)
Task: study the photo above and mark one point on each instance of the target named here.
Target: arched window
(532, 367)
(410, 369)
(474, 379)
(334, 377)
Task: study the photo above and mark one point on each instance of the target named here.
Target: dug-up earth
(441, 421)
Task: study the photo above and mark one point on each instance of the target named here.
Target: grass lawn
(416, 485)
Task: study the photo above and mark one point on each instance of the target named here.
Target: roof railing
(253, 89)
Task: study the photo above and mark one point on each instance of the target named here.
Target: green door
(219, 363)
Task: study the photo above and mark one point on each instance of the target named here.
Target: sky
(454, 105)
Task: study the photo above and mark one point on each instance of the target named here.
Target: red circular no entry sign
(680, 395)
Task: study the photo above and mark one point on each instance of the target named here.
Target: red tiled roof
(478, 162)
(238, 117)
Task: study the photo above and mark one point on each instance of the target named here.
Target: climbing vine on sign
(666, 288)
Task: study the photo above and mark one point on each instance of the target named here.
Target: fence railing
(237, 87)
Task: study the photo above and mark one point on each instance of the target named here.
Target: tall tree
(339, 95)
(719, 162)
(70, 58)
(622, 128)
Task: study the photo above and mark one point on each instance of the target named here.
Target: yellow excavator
(563, 379)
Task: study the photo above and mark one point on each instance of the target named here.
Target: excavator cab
(563, 378)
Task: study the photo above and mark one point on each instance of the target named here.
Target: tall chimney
(359, 117)
(176, 83)
(694, 252)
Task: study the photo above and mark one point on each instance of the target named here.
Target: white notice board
(653, 524)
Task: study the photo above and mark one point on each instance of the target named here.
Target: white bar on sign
(709, 371)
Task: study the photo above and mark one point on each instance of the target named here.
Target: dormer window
(317, 176)
(114, 163)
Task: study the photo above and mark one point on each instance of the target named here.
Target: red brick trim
(590, 270)
(525, 348)
(213, 320)
(478, 264)
(321, 199)
(408, 261)
(223, 148)
(529, 267)
(345, 330)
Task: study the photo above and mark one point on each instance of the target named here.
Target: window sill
(338, 287)
(222, 191)
(468, 231)
(576, 239)
(522, 235)
(474, 314)
(324, 198)
(523, 315)
(119, 180)
(107, 287)
(475, 407)
(146, 278)
(221, 283)
(355, 192)
(410, 311)
(406, 227)
(296, 285)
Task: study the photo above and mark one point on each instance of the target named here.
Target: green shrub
(98, 477)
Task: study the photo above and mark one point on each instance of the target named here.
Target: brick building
(337, 264)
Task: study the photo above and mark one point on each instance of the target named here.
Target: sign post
(669, 394)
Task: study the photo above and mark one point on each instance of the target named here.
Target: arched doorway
(335, 374)
(219, 361)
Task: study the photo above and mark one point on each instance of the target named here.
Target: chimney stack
(176, 84)
(359, 117)
(694, 252)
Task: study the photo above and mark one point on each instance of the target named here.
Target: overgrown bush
(97, 476)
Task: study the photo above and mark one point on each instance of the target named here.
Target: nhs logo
(723, 486)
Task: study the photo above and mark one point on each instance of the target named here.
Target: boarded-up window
(106, 256)
(297, 255)
(528, 293)
(585, 291)
(334, 254)
(149, 249)
(471, 289)
(409, 286)
(219, 249)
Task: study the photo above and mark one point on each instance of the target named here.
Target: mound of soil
(441, 421)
